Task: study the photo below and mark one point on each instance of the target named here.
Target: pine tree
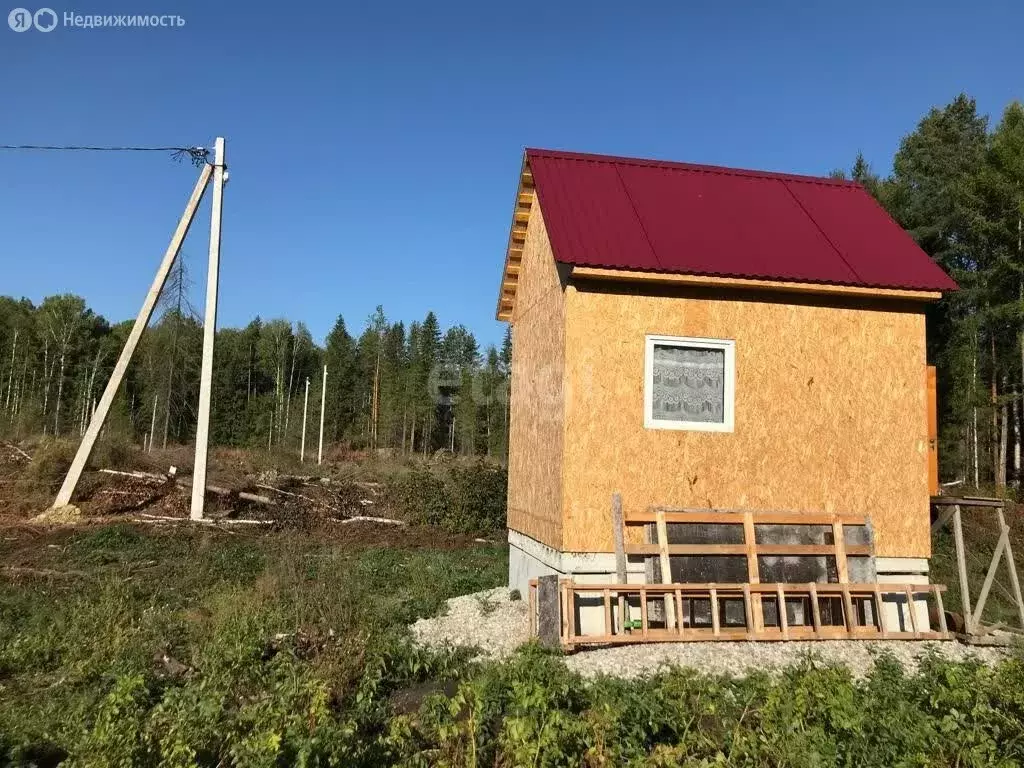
(340, 358)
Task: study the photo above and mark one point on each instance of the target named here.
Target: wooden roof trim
(600, 273)
(525, 199)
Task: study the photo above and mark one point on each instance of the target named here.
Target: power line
(197, 155)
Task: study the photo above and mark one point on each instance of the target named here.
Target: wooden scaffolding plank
(961, 564)
(532, 590)
(849, 614)
(666, 566)
(912, 612)
(1011, 566)
(715, 626)
(753, 572)
(679, 611)
(735, 516)
(619, 535)
(608, 612)
(783, 619)
(839, 540)
(645, 629)
(993, 566)
(815, 608)
(879, 608)
(941, 611)
(748, 609)
(778, 550)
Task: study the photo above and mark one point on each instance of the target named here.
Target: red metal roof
(648, 215)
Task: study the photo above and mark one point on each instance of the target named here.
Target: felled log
(368, 519)
(136, 475)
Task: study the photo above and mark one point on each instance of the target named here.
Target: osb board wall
(536, 409)
(830, 411)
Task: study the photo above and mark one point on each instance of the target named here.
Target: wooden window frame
(728, 347)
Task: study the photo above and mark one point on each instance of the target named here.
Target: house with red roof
(703, 337)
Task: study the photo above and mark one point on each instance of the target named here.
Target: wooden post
(815, 608)
(879, 608)
(961, 566)
(323, 401)
(666, 565)
(851, 615)
(753, 572)
(748, 611)
(549, 618)
(1014, 581)
(607, 613)
(619, 535)
(532, 590)
(783, 618)
(840, 543)
(941, 610)
(911, 611)
(305, 408)
(209, 335)
(67, 488)
(644, 628)
(716, 628)
(679, 612)
(993, 566)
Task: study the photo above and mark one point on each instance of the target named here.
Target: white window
(689, 383)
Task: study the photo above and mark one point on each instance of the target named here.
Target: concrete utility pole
(209, 333)
(152, 426)
(323, 400)
(103, 408)
(305, 408)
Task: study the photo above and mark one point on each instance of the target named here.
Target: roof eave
(516, 240)
(744, 283)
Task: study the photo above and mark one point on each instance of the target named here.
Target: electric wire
(197, 155)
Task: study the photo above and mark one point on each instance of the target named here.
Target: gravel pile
(488, 620)
(497, 625)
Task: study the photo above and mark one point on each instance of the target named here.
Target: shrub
(478, 497)
(459, 498)
(420, 497)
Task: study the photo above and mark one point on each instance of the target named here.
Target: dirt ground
(244, 493)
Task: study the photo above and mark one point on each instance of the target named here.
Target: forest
(956, 184)
(394, 389)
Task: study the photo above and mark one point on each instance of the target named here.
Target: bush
(50, 462)
(420, 497)
(461, 499)
(479, 493)
(533, 711)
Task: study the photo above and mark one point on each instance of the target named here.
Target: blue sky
(374, 147)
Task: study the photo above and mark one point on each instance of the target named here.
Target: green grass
(134, 646)
(256, 627)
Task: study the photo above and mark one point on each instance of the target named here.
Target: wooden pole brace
(99, 416)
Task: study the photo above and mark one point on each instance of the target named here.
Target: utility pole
(209, 334)
(92, 433)
(305, 408)
(323, 401)
(152, 425)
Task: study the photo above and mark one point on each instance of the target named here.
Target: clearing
(127, 640)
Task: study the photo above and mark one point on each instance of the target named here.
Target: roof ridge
(692, 167)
